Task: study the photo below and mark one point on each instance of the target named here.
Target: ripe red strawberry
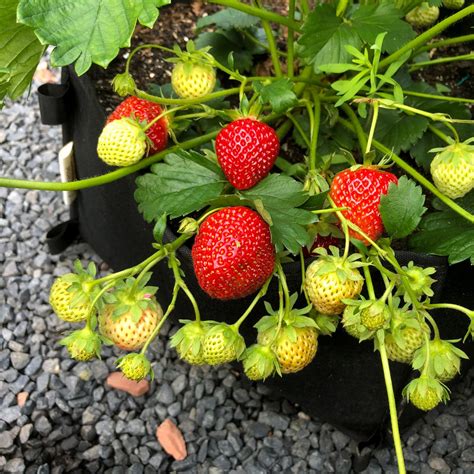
(359, 190)
(145, 111)
(246, 150)
(233, 253)
(322, 242)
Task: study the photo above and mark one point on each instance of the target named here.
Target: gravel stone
(19, 360)
(275, 420)
(165, 394)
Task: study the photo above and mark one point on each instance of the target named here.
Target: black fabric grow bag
(344, 385)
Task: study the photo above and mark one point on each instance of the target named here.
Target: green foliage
(279, 94)
(228, 19)
(20, 52)
(183, 183)
(89, 31)
(278, 198)
(446, 233)
(402, 207)
(325, 35)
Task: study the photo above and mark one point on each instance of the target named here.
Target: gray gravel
(71, 422)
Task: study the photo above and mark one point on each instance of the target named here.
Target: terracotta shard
(21, 398)
(119, 382)
(171, 440)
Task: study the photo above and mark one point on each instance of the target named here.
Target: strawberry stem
(456, 307)
(271, 43)
(284, 285)
(315, 131)
(291, 40)
(368, 280)
(108, 177)
(443, 136)
(391, 404)
(262, 292)
(259, 13)
(94, 302)
(422, 64)
(375, 116)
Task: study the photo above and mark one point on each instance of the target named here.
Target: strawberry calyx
(124, 84)
(83, 344)
(135, 366)
(132, 296)
(457, 151)
(81, 283)
(443, 357)
(332, 262)
(419, 282)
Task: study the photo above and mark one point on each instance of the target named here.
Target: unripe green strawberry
(330, 279)
(122, 143)
(191, 80)
(375, 315)
(83, 344)
(405, 337)
(294, 347)
(222, 343)
(425, 393)
(453, 4)
(259, 362)
(135, 366)
(351, 322)
(71, 294)
(452, 169)
(422, 16)
(127, 331)
(188, 341)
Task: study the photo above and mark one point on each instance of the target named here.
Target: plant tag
(67, 171)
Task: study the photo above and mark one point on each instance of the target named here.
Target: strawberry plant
(338, 142)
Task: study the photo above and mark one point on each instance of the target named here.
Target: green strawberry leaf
(20, 52)
(184, 182)
(89, 31)
(402, 207)
(326, 35)
(228, 19)
(281, 197)
(446, 233)
(159, 229)
(229, 46)
(279, 94)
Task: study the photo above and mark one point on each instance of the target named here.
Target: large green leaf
(20, 52)
(279, 94)
(183, 183)
(326, 35)
(278, 198)
(228, 19)
(447, 233)
(86, 31)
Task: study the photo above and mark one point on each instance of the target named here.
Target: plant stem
(315, 131)
(304, 6)
(252, 305)
(259, 43)
(259, 12)
(433, 324)
(445, 42)
(341, 7)
(433, 62)
(345, 229)
(94, 301)
(438, 97)
(186, 102)
(419, 177)
(456, 307)
(272, 48)
(368, 281)
(373, 125)
(392, 406)
(108, 177)
(423, 38)
(291, 40)
(442, 135)
(284, 284)
(299, 129)
(362, 139)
